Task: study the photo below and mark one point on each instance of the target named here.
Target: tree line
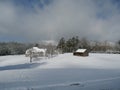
(64, 46)
(13, 48)
(72, 44)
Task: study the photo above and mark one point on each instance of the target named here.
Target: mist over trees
(72, 44)
(63, 46)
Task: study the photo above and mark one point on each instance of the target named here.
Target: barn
(81, 52)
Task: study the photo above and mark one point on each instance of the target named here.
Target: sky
(38, 20)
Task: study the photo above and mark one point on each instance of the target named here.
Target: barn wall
(81, 54)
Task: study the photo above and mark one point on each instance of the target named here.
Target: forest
(74, 43)
(64, 46)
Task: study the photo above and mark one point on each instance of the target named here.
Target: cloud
(93, 19)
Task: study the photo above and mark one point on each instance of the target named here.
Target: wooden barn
(81, 52)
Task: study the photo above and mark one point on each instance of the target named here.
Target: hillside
(63, 72)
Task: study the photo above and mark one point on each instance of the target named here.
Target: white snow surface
(63, 72)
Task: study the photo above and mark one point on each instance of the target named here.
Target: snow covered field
(64, 72)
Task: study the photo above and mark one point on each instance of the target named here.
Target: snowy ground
(64, 72)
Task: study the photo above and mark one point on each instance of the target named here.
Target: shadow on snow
(21, 66)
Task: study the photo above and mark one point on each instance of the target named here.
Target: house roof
(81, 50)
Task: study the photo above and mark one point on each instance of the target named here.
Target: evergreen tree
(61, 44)
(69, 45)
(84, 43)
(118, 46)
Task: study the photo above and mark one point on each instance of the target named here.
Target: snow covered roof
(81, 50)
(36, 49)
